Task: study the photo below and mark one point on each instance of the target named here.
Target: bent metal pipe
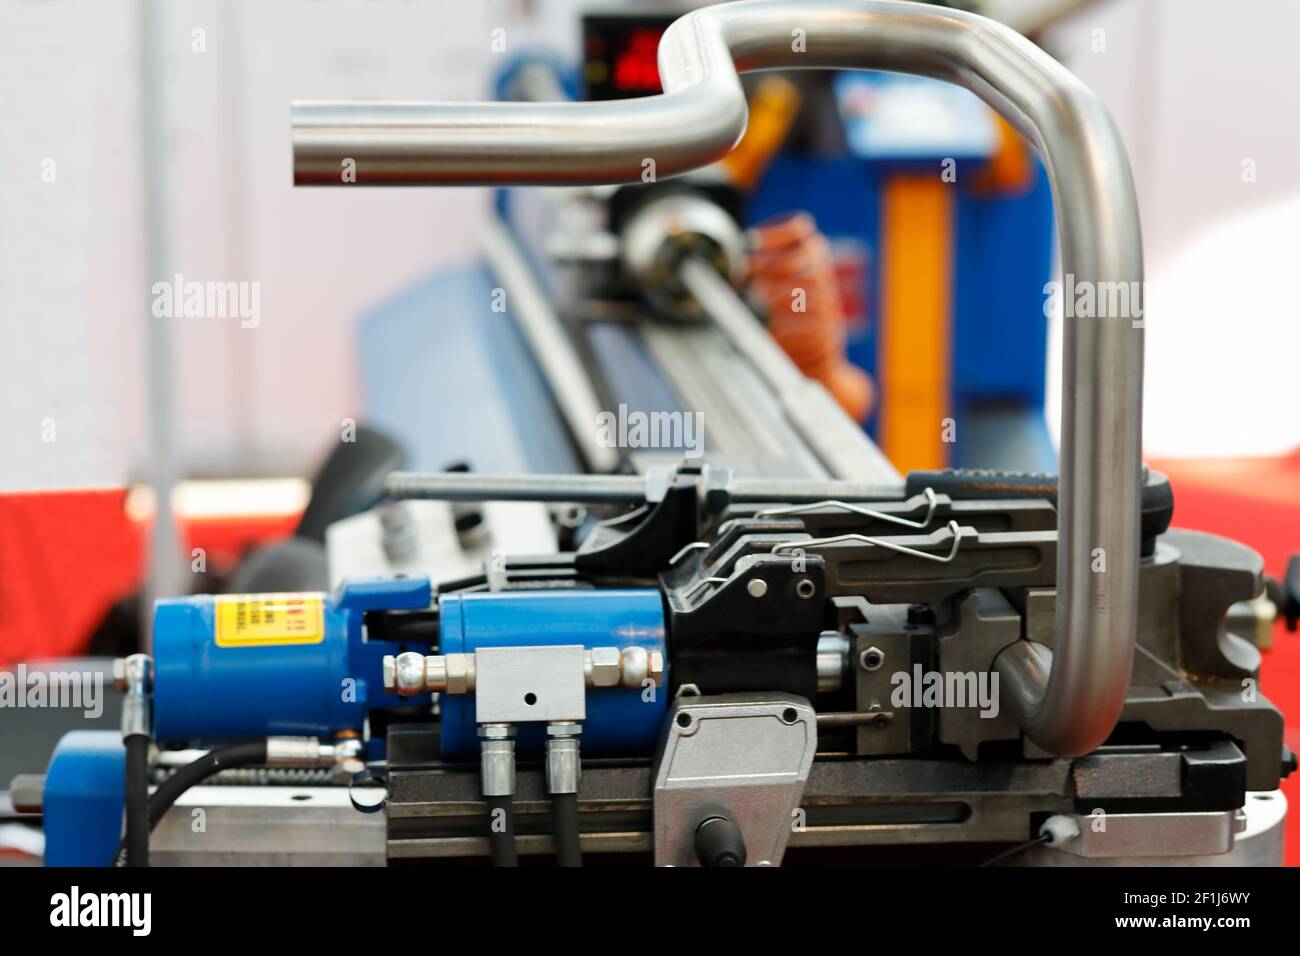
(1067, 701)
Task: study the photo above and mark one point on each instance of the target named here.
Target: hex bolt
(604, 666)
(656, 670)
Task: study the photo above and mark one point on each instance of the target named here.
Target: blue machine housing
(619, 720)
(85, 795)
(208, 693)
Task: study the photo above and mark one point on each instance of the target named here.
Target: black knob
(718, 843)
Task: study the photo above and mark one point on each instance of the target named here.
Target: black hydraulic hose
(136, 839)
(239, 755)
(568, 846)
(501, 831)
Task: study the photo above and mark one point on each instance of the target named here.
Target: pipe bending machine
(726, 667)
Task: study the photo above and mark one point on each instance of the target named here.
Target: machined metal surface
(916, 800)
(742, 757)
(267, 826)
(1253, 836)
(522, 684)
(1106, 836)
(317, 825)
(622, 489)
(1069, 699)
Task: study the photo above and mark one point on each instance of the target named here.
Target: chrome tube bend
(1067, 701)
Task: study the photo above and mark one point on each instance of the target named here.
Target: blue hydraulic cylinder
(244, 666)
(620, 721)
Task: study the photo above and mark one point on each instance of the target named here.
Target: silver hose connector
(497, 759)
(563, 756)
(134, 676)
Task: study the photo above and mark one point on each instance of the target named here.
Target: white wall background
(74, 289)
(1198, 87)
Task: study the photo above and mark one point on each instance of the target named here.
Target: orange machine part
(914, 330)
(772, 110)
(793, 275)
(1010, 170)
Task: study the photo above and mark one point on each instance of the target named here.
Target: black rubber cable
(1021, 848)
(136, 840)
(568, 845)
(501, 831)
(239, 755)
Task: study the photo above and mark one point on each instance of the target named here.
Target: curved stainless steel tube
(1069, 701)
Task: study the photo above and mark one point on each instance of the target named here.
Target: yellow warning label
(249, 620)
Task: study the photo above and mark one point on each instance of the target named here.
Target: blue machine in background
(998, 241)
(990, 247)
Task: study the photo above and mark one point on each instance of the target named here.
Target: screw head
(757, 587)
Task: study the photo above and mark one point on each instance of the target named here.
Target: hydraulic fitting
(563, 756)
(412, 673)
(134, 675)
(497, 759)
(344, 758)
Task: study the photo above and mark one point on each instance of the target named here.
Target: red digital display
(622, 54)
(636, 65)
